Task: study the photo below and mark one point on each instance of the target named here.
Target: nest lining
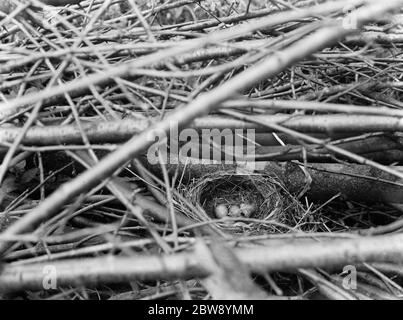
(264, 192)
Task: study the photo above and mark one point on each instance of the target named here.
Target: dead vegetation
(87, 86)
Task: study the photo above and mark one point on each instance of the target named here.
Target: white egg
(234, 211)
(247, 209)
(221, 211)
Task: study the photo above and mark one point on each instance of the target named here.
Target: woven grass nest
(272, 205)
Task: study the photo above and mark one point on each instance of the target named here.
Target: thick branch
(119, 131)
(285, 257)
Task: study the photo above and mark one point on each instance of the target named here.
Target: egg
(221, 211)
(234, 211)
(247, 209)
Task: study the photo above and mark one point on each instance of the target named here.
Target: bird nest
(271, 203)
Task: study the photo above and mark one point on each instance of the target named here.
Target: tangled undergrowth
(85, 89)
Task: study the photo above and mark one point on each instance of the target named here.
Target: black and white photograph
(201, 158)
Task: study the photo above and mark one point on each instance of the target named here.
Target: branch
(122, 130)
(278, 257)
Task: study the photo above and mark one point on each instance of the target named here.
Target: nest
(272, 206)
